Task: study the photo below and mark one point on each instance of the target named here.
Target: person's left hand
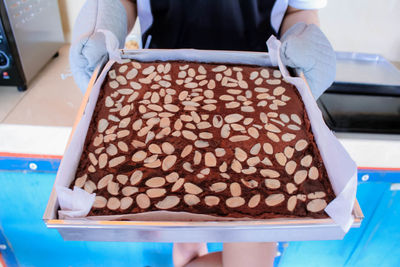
(305, 47)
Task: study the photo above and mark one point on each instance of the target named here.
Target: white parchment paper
(341, 169)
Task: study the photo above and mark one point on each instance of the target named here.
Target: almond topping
(274, 199)
(254, 201)
(235, 202)
(168, 202)
(211, 201)
(143, 201)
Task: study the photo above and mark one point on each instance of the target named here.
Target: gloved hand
(88, 46)
(305, 47)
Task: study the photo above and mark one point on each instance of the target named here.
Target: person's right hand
(88, 45)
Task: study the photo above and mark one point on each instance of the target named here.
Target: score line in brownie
(214, 139)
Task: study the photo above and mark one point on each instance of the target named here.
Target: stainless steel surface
(36, 26)
(199, 232)
(364, 68)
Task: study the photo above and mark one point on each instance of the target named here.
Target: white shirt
(277, 13)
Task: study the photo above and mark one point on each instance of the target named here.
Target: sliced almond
(315, 195)
(290, 167)
(306, 161)
(279, 90)
(291, 204)
(206, 135)
(122, 179)
(218, 187)
(192, 188)
(138, 144)
(136, 177)
(187, 167)
(253, 161)
(143, 201)
(316, 205)
(172, 177)
(281, 159)
(253, 132)
(201, 144)
(268, 148)
(232, 104)
(269, 173)
(91, 168)
(272, 128)
(80, 181)
(126, 202)
(240, 154)
(178, 184)
(232, 118)
(186, 151)
(137, 125)
(255, 149)
(220, 152)
(239, 138)
(234, 202)
(167, 148)
(211, 201)
(191, 200)
(287, 137)
(290, 188)
(131, 74)
(99, 202)
(155, 192)
(139, 156)
(225, 131)
(250, 183)
(235, 189)
(129, 190)
(301, 145)
(168, 202)
(254, 201)
(155, 149)
(98, 140)
(103, 160)
(102, 125)
(209, 107)
(288, 151)
(112, 150)
(217, 121)
(236, 166)
(113, 203)
(89, 186)
(113, 188)
(203, 125)
(300, 176)
(197, 158)
(272, 183)
(113, 84)
(274, 199)
(313, 173)
(189, 135)
(210, 160)
(155, 182)
(103, 182)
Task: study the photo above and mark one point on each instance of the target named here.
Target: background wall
(363, 26)
(368, 26)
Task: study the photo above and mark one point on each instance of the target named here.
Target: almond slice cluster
(203, 138)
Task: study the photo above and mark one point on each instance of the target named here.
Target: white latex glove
(305, 47)
(88, 45)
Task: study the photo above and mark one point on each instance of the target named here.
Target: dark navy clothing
(210, 24)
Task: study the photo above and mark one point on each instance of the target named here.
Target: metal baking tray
(365, 74)
(178, 231)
